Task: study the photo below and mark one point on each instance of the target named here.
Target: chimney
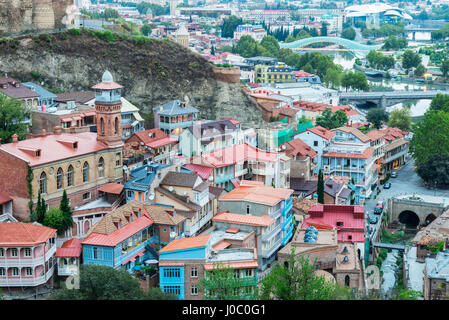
(15, 138)
(43, 132)
(72, 129)
(57, 130)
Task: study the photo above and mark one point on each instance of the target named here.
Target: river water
(389, 269)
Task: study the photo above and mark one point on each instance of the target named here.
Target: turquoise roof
(44, 94)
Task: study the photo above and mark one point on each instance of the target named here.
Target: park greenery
(379, 61)
(296, 280)
(98, 282)
(430, 143)
(400, 118)
(229, 25)
(12, 118)
(355, 81)
(385, 30)
(410, 59)
(395, 43)
(441, 33)
(348, 33)
(377, 116)
(331, 120)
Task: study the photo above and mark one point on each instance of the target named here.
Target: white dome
(107, 77)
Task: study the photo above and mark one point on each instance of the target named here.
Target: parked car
(387, 185)
(378, 210)
(373, 220)
(394, 174)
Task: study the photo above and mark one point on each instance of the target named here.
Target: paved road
(407, 182)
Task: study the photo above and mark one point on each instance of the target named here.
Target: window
(85, 172)
(117, 159)
(2, 252)
(130, 194)
(28, 271)
(101, 126)
(59, 178)
(13, 252)
(236, 273)
(194, 290)
(339, 223)
(194, 272)
(101, 167)
(95, 251)
(27, 252)
(2, 272)
(248, 272)
(43, 183)
(248, 207)
(15, 271)
(70, 176)
(315, 143)
(172, 289)
(116, 126)
(172, 273)
(86, 196)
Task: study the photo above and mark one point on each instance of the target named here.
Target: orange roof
(355, 132)
(187, 243)
(54, 147)
(223, 244)
(232, 230)
(375, 134)
(322, 132)
(365, 155)
(24, 234)
(107, 86)
(171, 264)
(114, 188)
(233, 264)
(4, 198)
(70, 248)
(263, 221)
(298, 147)
(258, 193)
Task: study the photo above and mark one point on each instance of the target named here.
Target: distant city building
(174, 117)
(267, 16)
(376, 13)
(256, 32)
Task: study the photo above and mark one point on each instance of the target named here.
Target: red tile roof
(70, 248)
(54, 147)
(297, 147)
(19, 92)
(263, 221)
(301, 73)
(107, 86)
(355, 132)
(154, 138)
(322, 132)
(187, 243)
(222, 244)
(24, 234)
(114, 188)
(258, 193)
(375, 134)
(365, 155)
(203, 171)
(123, 233)
(232, 230)
(346, 109)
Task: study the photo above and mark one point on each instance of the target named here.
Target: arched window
(85, 172)
(70, 176)
(43, 183)
(101, 167)
(59, 178)
(347, 281)
(116, 126)
(101, 126)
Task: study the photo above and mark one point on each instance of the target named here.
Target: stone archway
(409, 218)
(430, 217)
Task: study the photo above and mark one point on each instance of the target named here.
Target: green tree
(229, 25)
(332, 78)
(110, 14)
(12, 118)
(377, 116)
(420, 70)
(400, 118)
(146, 29)
(445, 67)
(410, 295)
(54, 218)
(38, 214)
(290, 38)
(330, 120)
(271, 45)
(221, 283)
(104, 283)
(323, 30)
(320, 187)
(348, 33)
(283, 53)
(435, 169)
(440, 102)
(302, 34)
(64, 206)
(430, 137)
(355, 80)
(410, 59)
(212, 50)
(297, 281)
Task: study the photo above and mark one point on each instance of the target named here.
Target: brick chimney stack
(15, 137)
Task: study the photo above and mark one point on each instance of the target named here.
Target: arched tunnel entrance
(409, 218)
(430, 218)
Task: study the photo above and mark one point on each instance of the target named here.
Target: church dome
(107, 77)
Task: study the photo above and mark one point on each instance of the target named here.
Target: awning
(76, 118)
(89, 114)
(114, 188)
(66, 119)
(133, 258)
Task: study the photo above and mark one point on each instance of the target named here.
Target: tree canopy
(12, 117)
(229, 25)
(104, 283)
(355, 81)
(377, 116)
(400, 118)
(348, 33)
(330, 120)
(410, 59)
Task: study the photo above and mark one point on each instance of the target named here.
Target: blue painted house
(121, 239)
(143, 180)
(46, 98)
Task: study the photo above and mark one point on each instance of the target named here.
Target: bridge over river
(388, 98)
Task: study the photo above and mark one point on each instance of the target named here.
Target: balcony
(131, 252)
(241, 172)
(67, 270)
(174, 125)
(275, 214)
(29, 282)
(199, 224)
(287, 222)
(164, 155)
(288, 207)
(269, 252)
(395, 156)
(27, 261)
(107, 97)
(266, 237)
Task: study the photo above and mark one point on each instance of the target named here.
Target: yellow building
(273, 74)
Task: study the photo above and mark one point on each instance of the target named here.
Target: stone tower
(182, 36)
(43, 14)
(108, 106)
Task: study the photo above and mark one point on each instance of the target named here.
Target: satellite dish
(185, 192)
(172, 234)
(151, 197)
(170, 188)
(283, 147)
(211, 178)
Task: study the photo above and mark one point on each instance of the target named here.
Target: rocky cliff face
(152, 73)
(22, 15)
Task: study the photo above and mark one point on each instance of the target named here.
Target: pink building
(27, 254)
